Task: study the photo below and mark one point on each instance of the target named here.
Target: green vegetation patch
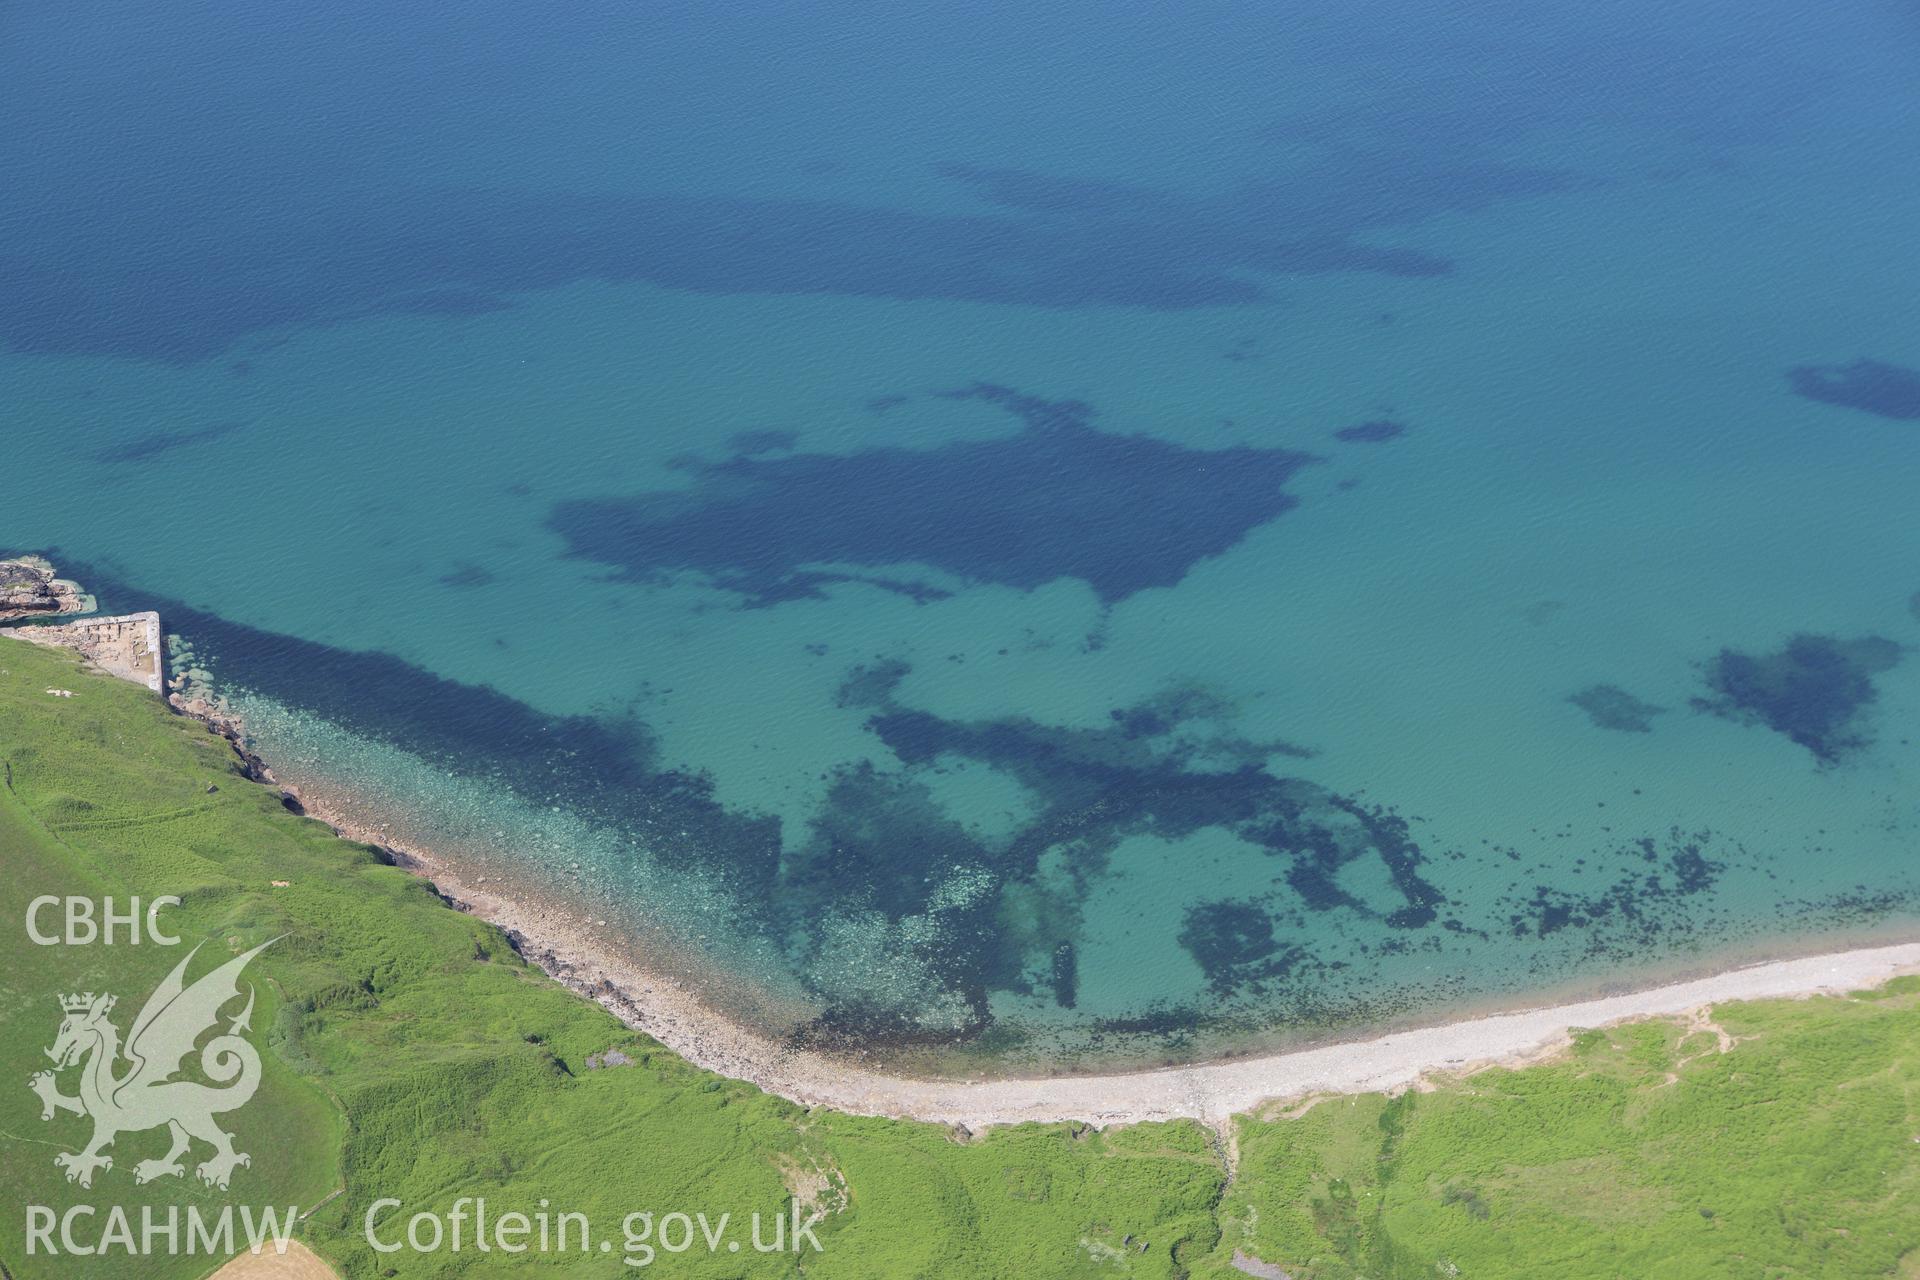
(1647, 1153)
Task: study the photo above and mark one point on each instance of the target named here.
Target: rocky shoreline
(586, 957)
(30, 589)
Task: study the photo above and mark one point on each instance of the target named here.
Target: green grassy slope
(69, 789)
(1648, 1153)
(410, 1053)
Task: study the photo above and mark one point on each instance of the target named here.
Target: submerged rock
(1377, 432)
(1871, 386)
(1812, 691)
(1611, 707)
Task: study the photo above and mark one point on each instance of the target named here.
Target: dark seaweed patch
(315, 195)
(295, 253)
(1305, 222)
(863, 1026)
(1059, 499)
(1813, 690)
(1102, 785)
(466, 575)
(978, 914)
(1233, 944)
(1871, 386)
(1637, 908)
(448, 302)
(1066, 975)
(604, 767)
(871, 684)
(1164, 711)
(880, 841)
(1168, 767)
(300, 248)
(746, 444)
(1852, 907)
(1611, 707)
(1371, 432)
(149, 447)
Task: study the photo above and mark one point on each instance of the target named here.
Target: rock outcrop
(28, 589)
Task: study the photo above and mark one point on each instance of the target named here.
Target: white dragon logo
(147, 1095)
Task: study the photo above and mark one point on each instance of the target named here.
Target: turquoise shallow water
(895, 510)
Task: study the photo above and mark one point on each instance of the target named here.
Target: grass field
(1649, 1152)
(410, 1054)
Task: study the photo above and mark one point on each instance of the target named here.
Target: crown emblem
(159, 1045)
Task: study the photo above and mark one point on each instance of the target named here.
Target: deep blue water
(1100, 529)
